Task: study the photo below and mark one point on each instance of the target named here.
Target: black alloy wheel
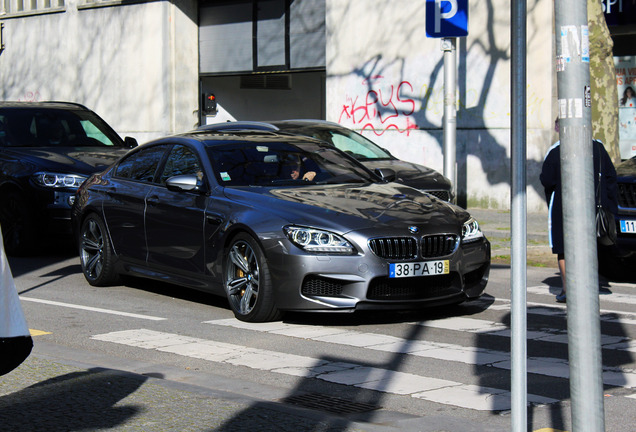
(96, 253)
(247, 281)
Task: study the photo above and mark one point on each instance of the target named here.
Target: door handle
(214, 219)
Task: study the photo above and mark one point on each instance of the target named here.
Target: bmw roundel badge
(414, 229)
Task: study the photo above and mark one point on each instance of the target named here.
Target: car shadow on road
(43, 257)
(75, 401)
(362, 318)
(176, 291)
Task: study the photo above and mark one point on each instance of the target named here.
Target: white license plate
(628, 226)
(413, 269)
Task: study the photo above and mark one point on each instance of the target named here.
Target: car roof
(271, 126)
(215, 138)
(44, 104)
(307, 122)
(238, 126)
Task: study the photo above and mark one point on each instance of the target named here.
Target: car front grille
(319, 286)
(441, 194)
(405, 248)
(415, 288)
(627, 195)
(394, 248)
(439, 245)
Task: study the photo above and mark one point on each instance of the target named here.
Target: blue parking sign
(446, 18)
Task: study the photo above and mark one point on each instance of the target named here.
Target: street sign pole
(450, 109)
(518, 222)
(577, 174)
(448, 20)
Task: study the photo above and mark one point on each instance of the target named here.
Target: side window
(182, 160)
(3, 132)
(141, 165)
(125, 167)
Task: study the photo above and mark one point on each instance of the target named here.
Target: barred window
(27, 7)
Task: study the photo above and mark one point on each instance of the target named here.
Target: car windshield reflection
(283, 164)
(49, 127)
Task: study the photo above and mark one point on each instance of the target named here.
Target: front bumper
(361, 282)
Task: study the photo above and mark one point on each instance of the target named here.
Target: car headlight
(58, 180)
(319, 241)
(471, 231)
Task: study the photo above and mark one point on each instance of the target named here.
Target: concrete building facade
(145, 67)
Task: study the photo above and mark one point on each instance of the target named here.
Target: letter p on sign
(446, 18)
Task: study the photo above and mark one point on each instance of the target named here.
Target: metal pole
(450, 109)
(518, 222)
(577, 174)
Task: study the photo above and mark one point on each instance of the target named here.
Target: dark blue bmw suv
(47, 149)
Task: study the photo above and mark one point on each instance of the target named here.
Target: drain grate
(329, 403)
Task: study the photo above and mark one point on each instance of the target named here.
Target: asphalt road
(149, 356)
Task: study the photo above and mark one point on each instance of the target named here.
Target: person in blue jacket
(551, 181)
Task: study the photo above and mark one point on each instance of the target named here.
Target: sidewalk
(496, 226)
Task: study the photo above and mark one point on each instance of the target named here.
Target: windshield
(342, 138)
(279, 163)
(356, 145)
(47, 127)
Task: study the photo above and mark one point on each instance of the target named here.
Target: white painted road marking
(92, 309)
(553, 367)
(472, 325)
(614, 297)
(384, 380)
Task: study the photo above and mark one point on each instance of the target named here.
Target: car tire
(614, 265)
(96, 253)
(18, 227)
(247, 281)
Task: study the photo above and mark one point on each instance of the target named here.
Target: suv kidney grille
(441, 194)
(438, 245)
(395, 248)
(627, 195)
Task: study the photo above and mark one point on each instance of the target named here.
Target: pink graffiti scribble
(30, 97)
(371, 79)
(379, 112)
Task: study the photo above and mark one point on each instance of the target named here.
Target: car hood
(414, 175)
(345, 208)
(627, 168)
(80, 160)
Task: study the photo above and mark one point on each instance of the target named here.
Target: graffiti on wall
(30, 96)
(381, 108)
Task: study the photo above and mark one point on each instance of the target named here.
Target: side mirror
(386, 174)
(184, 183)
(130, 142)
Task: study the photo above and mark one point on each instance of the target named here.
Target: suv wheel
(18, 228)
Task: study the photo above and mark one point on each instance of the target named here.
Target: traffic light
(209, 104)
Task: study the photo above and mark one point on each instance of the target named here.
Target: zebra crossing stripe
(612, 298)
(379, 379)
(472, 325)
(552, 367)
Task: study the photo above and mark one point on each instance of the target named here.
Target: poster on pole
(626, 83)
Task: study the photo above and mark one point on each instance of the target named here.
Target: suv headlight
(471, 231)
(318, 241)
(58, 180)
